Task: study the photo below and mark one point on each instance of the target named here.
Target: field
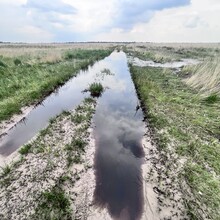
(57, 174)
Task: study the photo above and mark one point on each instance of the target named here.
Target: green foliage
(86, 54)
(25, 149)
(5, 170)
(55, 205)
(78, 118)
(96, 89)
(17, 62)
(211, 99)
(2, 64)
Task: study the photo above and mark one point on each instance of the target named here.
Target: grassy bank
(187, 125)
(25, 80)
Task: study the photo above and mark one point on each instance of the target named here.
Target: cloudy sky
(110, 20)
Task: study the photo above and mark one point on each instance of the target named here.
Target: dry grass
(205, 77)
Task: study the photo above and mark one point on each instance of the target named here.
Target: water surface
(119, 153)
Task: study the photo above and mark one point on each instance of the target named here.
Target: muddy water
(65, 98)
(119, 154)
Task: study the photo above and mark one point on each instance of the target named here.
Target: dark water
(65, 98)
(118, 132)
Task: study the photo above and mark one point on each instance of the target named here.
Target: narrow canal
(119, 155)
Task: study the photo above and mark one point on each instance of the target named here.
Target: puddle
(65, 98)
(174, 65)
(119, 153)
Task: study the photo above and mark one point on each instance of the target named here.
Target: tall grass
(205, 77)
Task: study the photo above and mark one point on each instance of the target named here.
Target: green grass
(96, 89)
(5, 170)
(55, 205)
(211, 99)
(85, 54)
(25, 84)
(179, 118)
(25, 149)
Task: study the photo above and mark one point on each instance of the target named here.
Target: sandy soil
(21, 190)
(40, 170)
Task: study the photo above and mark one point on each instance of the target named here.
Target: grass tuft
(25, 149)
(55, 205)
(96, 89)
(17, 62)
(5, 170)
(211, 99)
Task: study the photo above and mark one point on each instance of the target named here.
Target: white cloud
(172, 25)
(112, 20)
(195, 21)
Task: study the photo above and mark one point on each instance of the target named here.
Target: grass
(5, 170)
(205, 76)
(55, 205)
(211, 99)
(22, 84)
(96, 89)
(107, 72)
(180, 120)
(84, 54)
(162, 54)
(25, 149)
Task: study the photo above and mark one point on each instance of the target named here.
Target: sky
(110, 20)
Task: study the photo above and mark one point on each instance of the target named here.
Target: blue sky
(112, 20)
